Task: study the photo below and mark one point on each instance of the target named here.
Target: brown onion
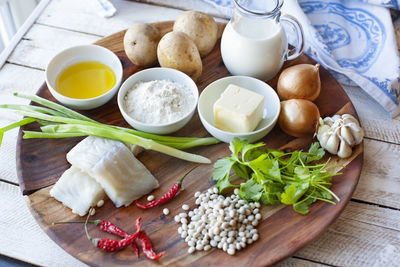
(299, 82)
(299, 117)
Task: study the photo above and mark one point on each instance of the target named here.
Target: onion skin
(299, 82)
(299, 117)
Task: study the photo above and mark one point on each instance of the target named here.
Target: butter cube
(238, 110)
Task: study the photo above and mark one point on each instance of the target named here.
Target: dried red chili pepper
(108, 244)
(147, 247)
(111, 228)
(167, 196)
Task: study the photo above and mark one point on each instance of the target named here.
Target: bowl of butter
(238, 106)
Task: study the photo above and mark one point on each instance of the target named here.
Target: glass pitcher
(254, 43)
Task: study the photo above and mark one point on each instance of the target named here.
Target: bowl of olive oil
(84, 77)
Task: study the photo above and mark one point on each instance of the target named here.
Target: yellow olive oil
(86, 79)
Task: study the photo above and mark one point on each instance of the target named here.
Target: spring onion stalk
(166, 140)
(127, 138)
(33, 134)
(32, 108)
(61, 122)
(75, 115)
(14, 125)
(90, 128)
(192, 142)
(49, 104)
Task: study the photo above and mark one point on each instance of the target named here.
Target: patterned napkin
(355, 39)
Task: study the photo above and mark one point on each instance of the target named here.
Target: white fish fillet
(123, 177)
(77, 190)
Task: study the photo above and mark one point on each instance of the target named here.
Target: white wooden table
(366, 234)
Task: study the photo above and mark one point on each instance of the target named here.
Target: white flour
(159, 101)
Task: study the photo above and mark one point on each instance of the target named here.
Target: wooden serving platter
(41, 162)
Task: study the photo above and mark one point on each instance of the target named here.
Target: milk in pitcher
(254, 42)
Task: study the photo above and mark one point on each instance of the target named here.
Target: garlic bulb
(338, 134)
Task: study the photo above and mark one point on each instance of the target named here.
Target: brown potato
(176, 50)
(140, 44)
(200, 27)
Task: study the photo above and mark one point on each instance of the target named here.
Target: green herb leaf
(314, 153)
(274, 176)
(241, 170)
(250, 190)
(222, 172)
(272, 193)
(266, 168)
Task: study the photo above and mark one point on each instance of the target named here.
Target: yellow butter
(238, 110)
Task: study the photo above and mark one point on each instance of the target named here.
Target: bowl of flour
(158, 100)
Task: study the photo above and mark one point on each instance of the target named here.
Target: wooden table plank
(22, 238)
(375, 121)
(42, 43)
(380, 177)
(14, 78)
(79, 16)
(355, 240)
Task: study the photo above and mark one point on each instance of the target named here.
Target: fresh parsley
(272, 176)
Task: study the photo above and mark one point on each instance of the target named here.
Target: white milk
(254, 48)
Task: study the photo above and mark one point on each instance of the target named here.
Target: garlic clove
(358, 136)
(332, 144)
(329, 121)
(347, 135)
(323, 134)
(336, 117)
(349, 117)
(344, 150)
(356, 131)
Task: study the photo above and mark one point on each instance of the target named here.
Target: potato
(176, 50)
(200, 27)
(140, 44)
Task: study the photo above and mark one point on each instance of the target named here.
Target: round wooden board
(40, 162)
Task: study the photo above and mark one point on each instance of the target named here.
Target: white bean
(226, 223)
(231, 251)
(255, 237)
(100, 203)
(150, 198)
(213, 243)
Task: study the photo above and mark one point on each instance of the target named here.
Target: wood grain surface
(41, 162)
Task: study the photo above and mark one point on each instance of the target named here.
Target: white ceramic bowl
(213, 91)
(77, 54)
(151, 75)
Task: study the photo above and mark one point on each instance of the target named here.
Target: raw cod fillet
(77, 190)
(123, 177)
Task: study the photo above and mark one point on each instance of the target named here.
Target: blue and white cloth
(355, 39)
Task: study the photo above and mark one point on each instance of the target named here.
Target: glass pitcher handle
(299, 46)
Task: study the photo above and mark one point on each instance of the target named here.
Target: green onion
(47, 103)
(62, 122)
(14, 125)
(127, 138)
